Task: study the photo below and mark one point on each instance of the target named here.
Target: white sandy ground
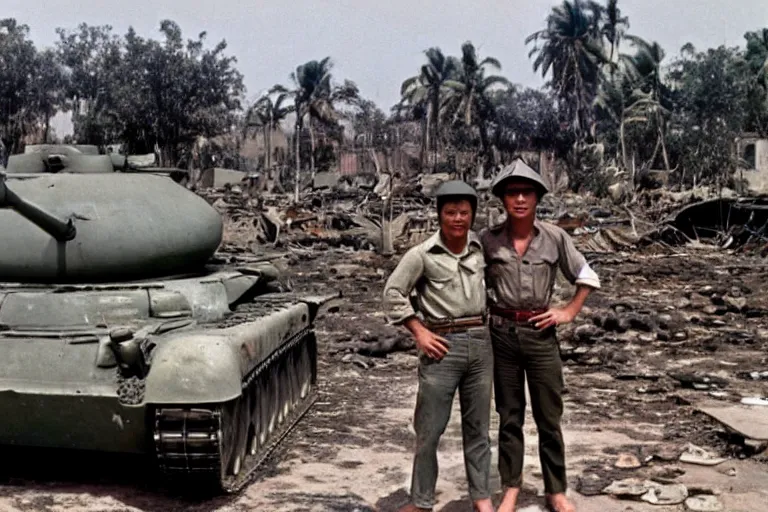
(339, 477)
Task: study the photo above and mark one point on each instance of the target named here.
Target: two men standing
(443, 291)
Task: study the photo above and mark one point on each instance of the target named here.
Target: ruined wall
(754, 152)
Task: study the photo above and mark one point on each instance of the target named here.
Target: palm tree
(636, 95)
(614, 26)
(471, 101)
(267, 115)
(571, 47)
(425, 92)
(314, 99)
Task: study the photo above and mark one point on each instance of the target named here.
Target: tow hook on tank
(129, 353)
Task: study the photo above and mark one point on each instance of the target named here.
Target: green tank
(81, 159)
(120, 333)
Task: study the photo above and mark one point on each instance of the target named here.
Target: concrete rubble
(681, 319)
(665, 367)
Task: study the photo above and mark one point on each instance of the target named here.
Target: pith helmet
(518, 169)
(455, 189)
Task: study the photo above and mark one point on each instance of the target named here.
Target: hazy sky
(379, 44)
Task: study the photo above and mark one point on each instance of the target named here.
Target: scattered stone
(700, 382)
(727, 471)
(666, 474)
(680, 336)
(703, 504)
(610, 322)
(627, 461)
(671, 494)
(736, 303)
(591, 484)
(696, 489)
(710, 309)
(693, 454)
(699, 302)
(628, 488)
(357, 360)
(664, 320)
(587, 333)
(666, 452)
(642, 323)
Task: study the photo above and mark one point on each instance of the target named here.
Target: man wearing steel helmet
(438, 293)
(522, 257)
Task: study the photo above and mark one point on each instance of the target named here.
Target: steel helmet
(518, 169)
(456, 189)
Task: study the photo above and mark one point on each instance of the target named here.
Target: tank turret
(120, 331)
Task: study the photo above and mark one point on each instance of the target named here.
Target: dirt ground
(670, 329)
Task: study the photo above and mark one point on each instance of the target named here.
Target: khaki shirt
(526, 282)
(447, 285)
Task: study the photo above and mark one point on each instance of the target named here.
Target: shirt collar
(499, 231)
(435, 241)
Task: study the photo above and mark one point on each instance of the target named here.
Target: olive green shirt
(527, 282)
(446, 285)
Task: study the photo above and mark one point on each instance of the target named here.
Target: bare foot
(509, 502)
(413, 508)
(485, 505)
(559, 503)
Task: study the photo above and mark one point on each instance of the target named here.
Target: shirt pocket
(542, 268)
(474, 268)
(440, 274)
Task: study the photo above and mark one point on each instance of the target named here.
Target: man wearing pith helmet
(522, 256)
(437, 291)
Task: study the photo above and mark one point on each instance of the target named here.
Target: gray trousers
(468, 367)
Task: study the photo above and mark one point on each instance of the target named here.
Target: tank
(82, 159)
(121, 332)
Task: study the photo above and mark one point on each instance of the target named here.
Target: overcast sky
(379, 44)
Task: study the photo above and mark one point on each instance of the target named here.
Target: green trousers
(521, 352)
(468, 367)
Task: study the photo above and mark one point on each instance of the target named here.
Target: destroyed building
(753, 153)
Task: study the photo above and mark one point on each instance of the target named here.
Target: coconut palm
(314, 100)
(471, 100)
(427, 93)
(571, 48)
(635, 94)
(267, 115)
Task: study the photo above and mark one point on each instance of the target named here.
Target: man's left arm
(577, 271)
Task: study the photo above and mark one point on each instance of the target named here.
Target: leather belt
(516, 315)
(456, 324)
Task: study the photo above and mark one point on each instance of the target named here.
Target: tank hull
(128, 226)
(215, 395)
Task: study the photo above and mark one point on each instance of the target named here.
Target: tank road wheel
(292, 377)
(235, 420)
(305, 369)
(262, 408)
(284, 388)
(254, 418)
(273, 398)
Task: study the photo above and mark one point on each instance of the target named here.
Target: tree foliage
(612, 100)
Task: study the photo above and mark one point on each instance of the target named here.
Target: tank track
(218, 447)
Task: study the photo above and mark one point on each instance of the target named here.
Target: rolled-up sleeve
(574, 265)
(397, 290)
